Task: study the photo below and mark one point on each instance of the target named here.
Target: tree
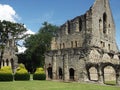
(37, 45)
(10, 31)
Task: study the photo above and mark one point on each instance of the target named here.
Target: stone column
(54, 68)
(100, 76)
(9, 63)
(5, 63)
(65, 66)
(85, 75)
(118, 78)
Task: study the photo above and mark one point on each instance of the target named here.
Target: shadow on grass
(110, 83)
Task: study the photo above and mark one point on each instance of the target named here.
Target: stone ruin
(84, 48)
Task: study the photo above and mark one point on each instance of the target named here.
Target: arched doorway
(12, 64)
(7, 62)
(71, 73)
(109, 75)
(49, 69)
(93, 74)
(60, 73)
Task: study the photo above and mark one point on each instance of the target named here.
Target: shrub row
(21, 74)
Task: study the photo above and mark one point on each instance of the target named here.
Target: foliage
(39, 74)
(36, 46)
(21, 73)
(10, 30)
(6, 74)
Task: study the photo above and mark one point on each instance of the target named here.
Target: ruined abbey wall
(85, 48)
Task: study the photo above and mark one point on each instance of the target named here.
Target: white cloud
(21, 49)
(8, 13)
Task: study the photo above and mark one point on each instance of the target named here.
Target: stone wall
(84, 47)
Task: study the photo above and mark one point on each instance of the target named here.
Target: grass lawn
(52, 85)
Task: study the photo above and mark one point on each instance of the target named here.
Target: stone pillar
(66, 70)
(85, 75)
(118, 78)
(54, 68)
(100, 76)
(5, 63)
(9, 63)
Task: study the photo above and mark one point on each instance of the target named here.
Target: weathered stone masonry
(85, 48)
(8, 55)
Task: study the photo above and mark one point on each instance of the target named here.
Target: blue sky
(34, 12)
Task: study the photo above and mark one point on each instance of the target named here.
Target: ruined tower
(8, 54)
(85, 48)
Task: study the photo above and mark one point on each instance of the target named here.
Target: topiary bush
(39, 74)
(21, 73)
(6, 74)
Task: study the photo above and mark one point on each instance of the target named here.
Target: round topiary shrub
(39, 74)
(6, 74)
(21, 73)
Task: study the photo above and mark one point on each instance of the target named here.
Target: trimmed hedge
(39, 74)
(6, 74)
(6, 77)
(19, 77)
(21, 73)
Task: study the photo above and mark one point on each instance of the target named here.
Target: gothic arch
(71, 73)
(12, 63)
(93, 73)
(109, 73)
(80, 24)
(49, 70)
(60, 73)
(100, 25)
(7, 62)
(104, 23)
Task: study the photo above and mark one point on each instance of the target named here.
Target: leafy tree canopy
(10, 30)
(37, 45)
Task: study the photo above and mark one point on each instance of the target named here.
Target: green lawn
(52, 85)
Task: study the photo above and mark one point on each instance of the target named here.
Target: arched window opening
(93, 74)
(63, 45)
(7, 62)
(102, 44)
(109, 29)
(12, 64)
(71, 73)
(60, 73)
(104, 23)
(76, 44)
(49, 72)
(60, 45)
(100, 25)
(71, 44)
(3, 63)
(109, 75)
(68, 27)
(80, 24)
(109, 47)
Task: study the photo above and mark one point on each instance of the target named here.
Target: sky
(34, 12)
